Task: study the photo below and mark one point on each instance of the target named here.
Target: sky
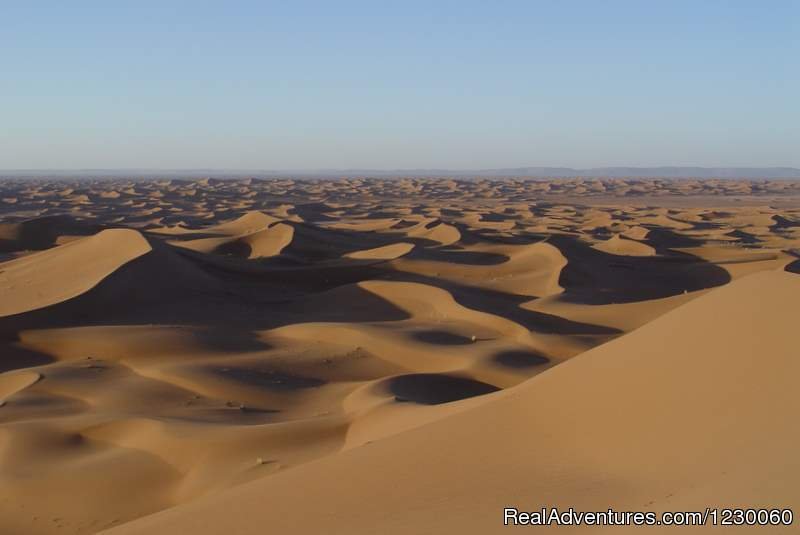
(387, 85)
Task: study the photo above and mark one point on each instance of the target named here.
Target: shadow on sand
(520, 359)
(593, 277)
(435, 389)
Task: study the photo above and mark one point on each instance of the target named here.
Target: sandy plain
(394, 356)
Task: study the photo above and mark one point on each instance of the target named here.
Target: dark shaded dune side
(313, 211)
(782, 223)
(283, 277)
(471, 236)
(13, 357)
(662, 239)
(403, 224)
(442, 338)
(743, 237)
(269, 379)
(173, 286)
(238, 248)
(506, 306)
(457, 256)
(794, 267)
(243, 307)
(189, 236)
(151, 286)
(434, 389)
(42, 232)
(520, 359)
(593, 277)
(353, 304)
(312, 244)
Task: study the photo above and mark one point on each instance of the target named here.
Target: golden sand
(392, 356)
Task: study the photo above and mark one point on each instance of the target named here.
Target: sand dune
(12, 383)
(624, 246)
(262, 243)
(386, 252)
(414, 354)
(36, 281)
(42, 232)
(621, 443)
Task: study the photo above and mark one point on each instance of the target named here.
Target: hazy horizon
(662, 172)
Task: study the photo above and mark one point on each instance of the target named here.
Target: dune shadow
(435, 389)
(473, 236)
(313, 212)
(594, 277)
(782, 223)
(403, 224)
(455, 256)
(705, 225)
(168, 287)
(237, 248)
(506, 306)
(493, 217)
(520, 359)
(13, 357)
(42, 232)
(311, 243)
(441, 338)
(661, 238)
(449, 212)
(225, 339)
(269, 379)
(743, 237)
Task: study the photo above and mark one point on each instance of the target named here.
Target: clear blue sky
(379, 84)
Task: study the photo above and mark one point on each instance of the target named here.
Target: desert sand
(393, 356)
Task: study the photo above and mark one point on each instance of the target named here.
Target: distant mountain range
(650, 172)
(532, 172)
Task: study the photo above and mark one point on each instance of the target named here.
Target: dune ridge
(641, 395)
(222, 344)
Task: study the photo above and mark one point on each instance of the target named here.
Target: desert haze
(393, 355)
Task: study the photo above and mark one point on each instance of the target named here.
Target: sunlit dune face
(187, 337)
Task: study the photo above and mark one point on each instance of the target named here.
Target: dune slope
(254, 341)
(36, 281)
(650, 421)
